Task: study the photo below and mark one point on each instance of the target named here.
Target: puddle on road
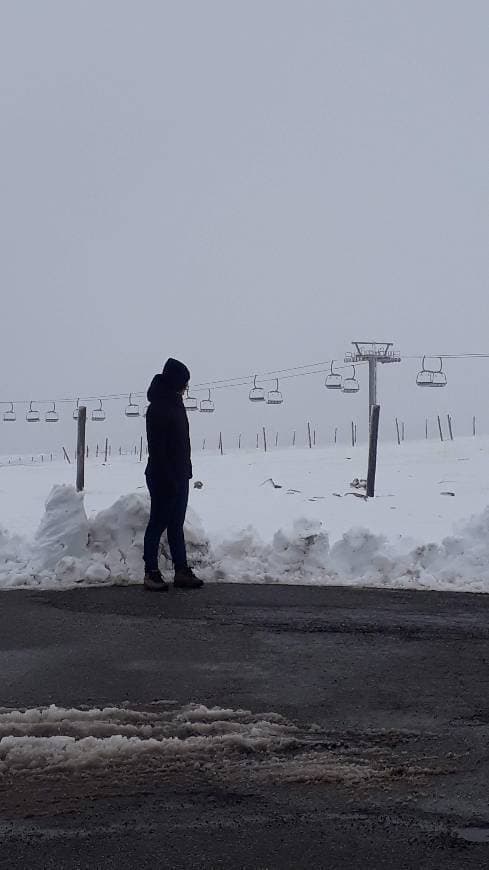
(473, 835)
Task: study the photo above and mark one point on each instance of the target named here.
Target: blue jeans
(168, 511)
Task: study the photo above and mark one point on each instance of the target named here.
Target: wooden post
(65, 456)
(402, 431)
(398, 432)
(239, 441)
(203, 444)
(355, 434)
(372, 450)
(220, 444)
(309, 435)
(141, 449)
(96, 451)
(450, 430)
(426, 428)
(439, 428)
(276, 440)
(293, 439)
(264, 439)
(473, 426)
(352, 434)
(106, 449)
(80, 448)
(314, 437)
(257, 441)
(336, 435)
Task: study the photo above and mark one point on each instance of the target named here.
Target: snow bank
(69, 548)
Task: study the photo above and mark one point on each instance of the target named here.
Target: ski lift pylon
(51, 416)
(132, 409)
(431, 377)
(257, 394)
(190, 402)
(10, 415)
(275, 397)
(98, 414)
(32, 416)
(334, 380)
(350, 385)
(207, 405)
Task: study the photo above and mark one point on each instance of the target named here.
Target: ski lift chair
(207, 405)
(257, 394)
(51, 416)
(351, 385)
(190, 402)
(98, 414)
(132, 410)
(10, 416)
(431, 377)
(275, 396)
(334, 380)
(32, 416)
(75, 410)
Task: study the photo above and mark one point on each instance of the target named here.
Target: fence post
(293, 439)
(450, 430)
(309, 435)
(426, 428)
(276, 440)
(402, 431)
(398, 432)
(473, 426)
(65, 456)
(106, 449)
(439, 428)
(220, 444)
(336, 435)
(264, 439)
(372, 450)
(141, 449)
(80, 449)
(352, 434)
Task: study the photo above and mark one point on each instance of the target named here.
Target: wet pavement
(353, 730)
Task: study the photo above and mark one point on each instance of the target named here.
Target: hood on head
(175, 375)
(174, 378)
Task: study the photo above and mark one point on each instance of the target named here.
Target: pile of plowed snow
(70, 548)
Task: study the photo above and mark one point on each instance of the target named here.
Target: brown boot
(154, 581)
(186, 579)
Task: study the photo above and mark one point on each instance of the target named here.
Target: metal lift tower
(372, 352)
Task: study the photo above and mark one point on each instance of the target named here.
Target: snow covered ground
(428, 527)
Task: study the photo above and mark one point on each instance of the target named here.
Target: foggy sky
(247, 186)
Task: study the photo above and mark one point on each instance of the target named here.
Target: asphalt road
(388, 692)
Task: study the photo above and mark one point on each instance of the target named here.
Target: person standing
(168, 473)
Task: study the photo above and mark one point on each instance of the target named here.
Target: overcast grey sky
(244, 185)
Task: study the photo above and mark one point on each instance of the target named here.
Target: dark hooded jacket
(167, 429)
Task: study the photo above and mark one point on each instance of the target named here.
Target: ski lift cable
(229, 383)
